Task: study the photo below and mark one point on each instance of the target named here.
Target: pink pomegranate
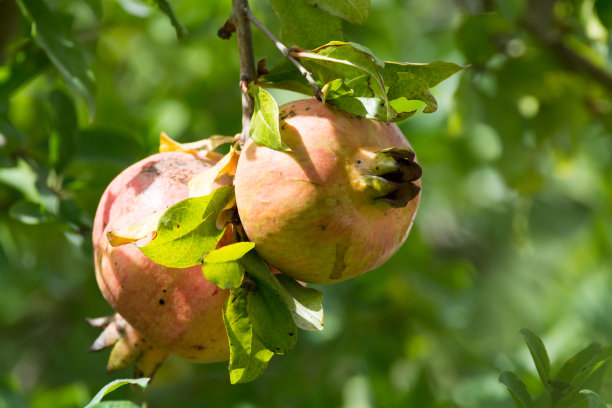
(175, 310)
(337, 205)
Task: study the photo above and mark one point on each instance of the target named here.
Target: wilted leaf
(188, 230)
(203, 183)
(202, 148)
(146, 228)
(63, 51)
(304, 25)
(265, 123)
(354, 11)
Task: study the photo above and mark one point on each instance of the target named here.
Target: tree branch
(240, 20)
(538, 21)
(286, 52)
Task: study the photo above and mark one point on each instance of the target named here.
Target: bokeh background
(514, 228)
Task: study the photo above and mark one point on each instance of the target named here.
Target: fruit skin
(176, 310)
(310, 211)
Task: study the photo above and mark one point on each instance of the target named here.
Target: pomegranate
(337, 205)
(174, 310)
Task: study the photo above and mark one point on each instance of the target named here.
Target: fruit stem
(240, 20)
(287, 54)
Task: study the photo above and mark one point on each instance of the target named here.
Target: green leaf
(29, 213)
(590, 372)
(226, 275)
(538, 354)
(517, 389)
(305, 304)
(63, 137)
(578, 363)
(165, 7)
(304, 25)
(593, 399)
(336, 89)
(113, 385)
(285, 75)
(62, 50)
(258, 325)
(220, 266)
(359, 69)
(265, 129)
(188, 230)
(115, 404)
(26, 64)
(354, 80)
(228, 253)
(354, 11)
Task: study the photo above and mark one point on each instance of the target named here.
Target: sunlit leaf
(220, 266)
(113, 385)
(265, 129)
(188, 230)
(204, 183)
(231, 252)
(258, 326)
(305, 304)
(226, 275)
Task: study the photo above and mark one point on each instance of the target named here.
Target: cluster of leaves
(574, 385)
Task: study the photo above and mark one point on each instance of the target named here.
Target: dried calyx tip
(393, 176)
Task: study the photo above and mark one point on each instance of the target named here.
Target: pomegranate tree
(175, 310)
(338, 204)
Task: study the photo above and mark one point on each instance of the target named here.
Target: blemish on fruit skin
(215, 292)
(178, 226)
(291, 334)
(198, 347)
(339, 263)
(322, 227)
(162, 302)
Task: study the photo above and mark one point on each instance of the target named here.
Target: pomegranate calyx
(392, 174)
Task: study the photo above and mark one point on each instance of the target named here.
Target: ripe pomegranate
(337, 205)
(175, 310)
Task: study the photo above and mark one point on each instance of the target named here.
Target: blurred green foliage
(514, 228)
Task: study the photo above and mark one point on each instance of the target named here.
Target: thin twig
(286, 52)
(240, 13)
